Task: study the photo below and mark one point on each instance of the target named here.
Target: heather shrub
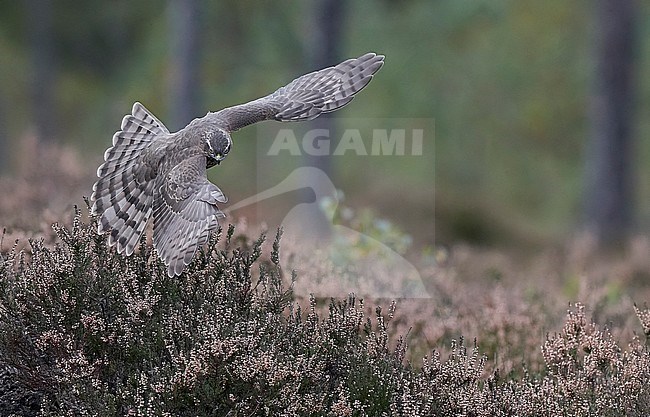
(85, 331)
(38, 194)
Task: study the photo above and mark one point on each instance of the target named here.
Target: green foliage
(373, 232)
(85, 331)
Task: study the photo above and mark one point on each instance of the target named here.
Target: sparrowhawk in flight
(150, 171)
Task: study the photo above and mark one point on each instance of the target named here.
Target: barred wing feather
(308, 96)
(122, 201)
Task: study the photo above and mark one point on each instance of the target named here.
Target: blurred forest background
(539, 107)
(542, 132)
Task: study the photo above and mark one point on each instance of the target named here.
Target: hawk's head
(217, 145)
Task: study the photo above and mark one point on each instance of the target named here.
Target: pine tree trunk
(41, 45)
(185, 42)
(324, 51)
(609, 173)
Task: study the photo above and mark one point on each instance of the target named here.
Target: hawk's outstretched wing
(185, 211)
(306, 97)
(123, 195)
(135, 180)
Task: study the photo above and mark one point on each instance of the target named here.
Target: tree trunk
(324, 50)
(41, 44)
(609, 185)
(324, 47)
(185, 49)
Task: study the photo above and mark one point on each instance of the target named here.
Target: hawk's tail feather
(324, 91)
(122, 203)
(181, 251)
(174, 246)
(182, 225)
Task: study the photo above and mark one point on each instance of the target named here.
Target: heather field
(469, 236)
(86, 331)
